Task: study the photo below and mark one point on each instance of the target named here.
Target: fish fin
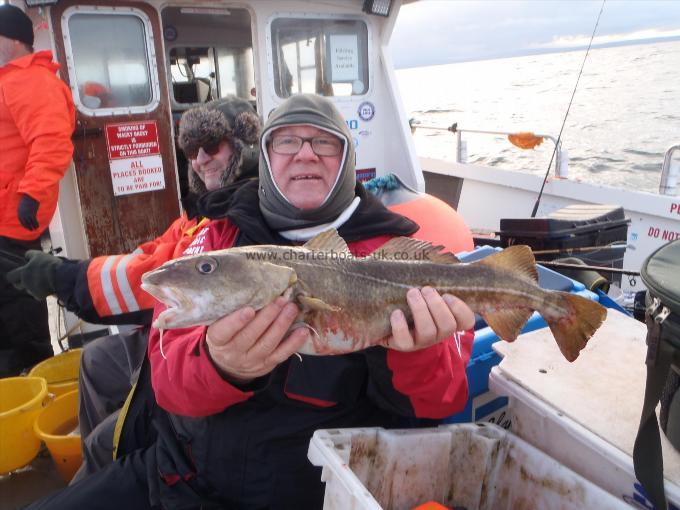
(573, 330)
(317, 304)
(328, 241)
(278, 271)
(518, 259)
(407, 248)
(507, 323)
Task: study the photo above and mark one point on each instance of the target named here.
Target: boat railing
(561, 156)
(669, 172)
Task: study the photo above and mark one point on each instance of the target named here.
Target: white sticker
(344, 58)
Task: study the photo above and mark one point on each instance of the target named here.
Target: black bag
(661, 275)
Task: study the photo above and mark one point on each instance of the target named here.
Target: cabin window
(110, 62)
(210, 52)
(195, 72)
(322, 56)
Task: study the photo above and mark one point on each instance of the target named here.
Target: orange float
(439, 222)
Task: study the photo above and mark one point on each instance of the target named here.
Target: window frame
(150, 60)
(269, 37)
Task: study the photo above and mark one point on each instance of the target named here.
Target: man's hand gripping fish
(347, 301)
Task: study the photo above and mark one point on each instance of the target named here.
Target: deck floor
(30, 483)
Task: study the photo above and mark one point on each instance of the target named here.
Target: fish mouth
(172, 298)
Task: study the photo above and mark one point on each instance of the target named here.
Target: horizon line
(544, 51)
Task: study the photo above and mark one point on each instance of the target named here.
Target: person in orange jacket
(37, 118)
(219, 140)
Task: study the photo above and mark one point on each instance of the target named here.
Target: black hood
(241, 207)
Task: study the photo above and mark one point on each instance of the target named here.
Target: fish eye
(206, 265)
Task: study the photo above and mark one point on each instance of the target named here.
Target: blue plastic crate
(483, 405)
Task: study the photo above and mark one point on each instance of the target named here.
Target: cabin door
(124, 151)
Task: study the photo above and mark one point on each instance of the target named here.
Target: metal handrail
(669, 173)
(460, 150)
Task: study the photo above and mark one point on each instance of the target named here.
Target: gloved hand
(38, 276)
(27, 212)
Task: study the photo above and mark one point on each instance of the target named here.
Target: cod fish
(346, 301)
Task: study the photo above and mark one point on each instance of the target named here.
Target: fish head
(199, 289)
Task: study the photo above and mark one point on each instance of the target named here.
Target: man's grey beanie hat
(232, 119)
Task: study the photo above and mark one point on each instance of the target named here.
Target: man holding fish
(241, 408)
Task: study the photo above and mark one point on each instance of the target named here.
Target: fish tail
(576, 325)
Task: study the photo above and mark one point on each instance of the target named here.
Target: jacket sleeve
(73, 292)
(428, 383)
(184, 379)
(106, 289)
(45, 118)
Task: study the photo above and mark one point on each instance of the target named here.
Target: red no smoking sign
(132, 139)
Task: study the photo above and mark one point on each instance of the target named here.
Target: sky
(432, 32)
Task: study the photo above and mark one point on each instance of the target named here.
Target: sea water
(625, 113)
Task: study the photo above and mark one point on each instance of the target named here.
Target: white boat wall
(483, 195)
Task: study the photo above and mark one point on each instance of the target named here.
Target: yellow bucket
(60, 371)
(21, 400)
(57, 425)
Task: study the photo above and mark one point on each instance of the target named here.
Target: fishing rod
(559, 137)
(605, 269)
(581, 249)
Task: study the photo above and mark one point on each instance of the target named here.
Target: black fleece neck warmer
(307, 109)
(240, 205)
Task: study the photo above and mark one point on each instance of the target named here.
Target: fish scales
(347, 301)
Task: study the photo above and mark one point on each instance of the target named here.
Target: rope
(382, 183)
(559, 137)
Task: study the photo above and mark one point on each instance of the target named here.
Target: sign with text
(134, 157)
(344, 58)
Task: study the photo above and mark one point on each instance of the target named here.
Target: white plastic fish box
(574, 445)
(585, 414)
(482, 404)
(463, 466)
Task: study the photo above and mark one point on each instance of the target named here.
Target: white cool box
(585, 414)
(572, 430)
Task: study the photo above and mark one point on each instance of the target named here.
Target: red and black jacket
(246, 447)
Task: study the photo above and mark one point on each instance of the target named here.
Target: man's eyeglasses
(210, 149)
(321, 145)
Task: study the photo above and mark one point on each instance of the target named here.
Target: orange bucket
(57, 425)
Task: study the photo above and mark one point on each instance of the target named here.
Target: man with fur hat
(37, 118)
(239, 410)
(220, 141)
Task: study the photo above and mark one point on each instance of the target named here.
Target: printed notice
(134, 157)
(344, 58)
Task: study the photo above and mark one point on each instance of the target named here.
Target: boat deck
(30, 483)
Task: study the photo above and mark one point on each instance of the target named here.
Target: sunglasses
(210, 149)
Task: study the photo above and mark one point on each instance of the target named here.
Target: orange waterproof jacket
(114, 280)
(37, 118)
(106, 289)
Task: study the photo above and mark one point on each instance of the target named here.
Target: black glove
(27, 211)
(38, 276)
